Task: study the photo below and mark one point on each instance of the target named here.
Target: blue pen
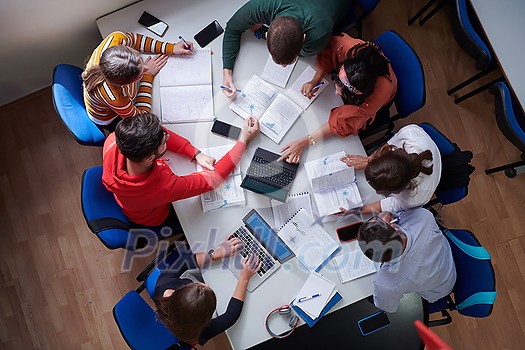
(229, 88)
(187, 46)
(300, 300)
(319, 84)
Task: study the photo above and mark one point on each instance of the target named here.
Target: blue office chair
(140, 327)
(511, 122)
(355, 20)
(69, 105)
(410, 95)
(456, 169)
(469, 35)
(474, 293)
(105, 218)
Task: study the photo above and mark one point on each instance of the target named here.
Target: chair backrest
(139, 325)
(509, 115)
(456, 170)
(69, 104)
(475, 288)
(411, 94)
(103, 215)
(467, 32)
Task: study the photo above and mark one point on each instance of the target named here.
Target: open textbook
(353, 265)
(229, 193)
(186, 88)
(333, 184)
(311, 244)
(294, 202)
(276, 112)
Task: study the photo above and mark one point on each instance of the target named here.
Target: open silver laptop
(259, 239)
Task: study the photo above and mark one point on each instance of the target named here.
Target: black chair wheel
(510, 173)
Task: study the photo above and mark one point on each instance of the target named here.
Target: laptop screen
(267, 236)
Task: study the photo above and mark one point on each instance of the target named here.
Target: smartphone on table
(224, 129)
(348, 233)
(373, 323)
(208, 34)
(153, 23)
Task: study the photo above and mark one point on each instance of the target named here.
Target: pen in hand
(229, 88)
(186, 45)
(300, 300)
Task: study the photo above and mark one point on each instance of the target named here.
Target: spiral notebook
(294, 202)
(311, 244)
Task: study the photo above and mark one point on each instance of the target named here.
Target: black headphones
(284, 310)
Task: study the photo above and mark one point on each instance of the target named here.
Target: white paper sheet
(254, 99)
(315, 284)
(181, 104)
(284, 211)
(353, 265)
(275, 73)
(187, 70)
(279, 118)
(294, 92)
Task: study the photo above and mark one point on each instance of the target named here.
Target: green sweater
(317, 18)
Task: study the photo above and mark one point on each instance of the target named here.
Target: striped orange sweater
(109, 101)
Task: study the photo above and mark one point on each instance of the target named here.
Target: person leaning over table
(143, 183)
(296, 28)
(363, 78)
(415, 257)
(185, 305)
(406, 170)
(117, 82)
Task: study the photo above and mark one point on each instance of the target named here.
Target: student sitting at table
(296, 28)
(406, 170)
(415, 257)
(118, 82)
(143, 183)
(363, 78)
(185, 305)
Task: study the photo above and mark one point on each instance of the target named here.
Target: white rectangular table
(503, 24)
(187, 17)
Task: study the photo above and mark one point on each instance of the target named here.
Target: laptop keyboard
(275, 174)
(253, 247)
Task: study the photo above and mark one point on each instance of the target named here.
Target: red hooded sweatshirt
(145, 198)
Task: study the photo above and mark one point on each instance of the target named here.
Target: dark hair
(284, 39)
(139, 136)
(364, 63)
(119, 65)
(187, 311)
(392, 169)
(379, 241)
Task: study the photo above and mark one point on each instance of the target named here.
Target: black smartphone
(208, 34)
(373, 323)
(226, 130)
(153, 23)
(348, 233)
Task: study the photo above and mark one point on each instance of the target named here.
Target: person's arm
(386, 299)
(181, 187)
(218, 325)
(146, 44)
(293, 150)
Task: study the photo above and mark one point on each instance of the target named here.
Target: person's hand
(251, 265)
(227, 80)
(154, 64)
(205, 161)
(249, 130)
(309, 89)
(230, 246)
(346, 212)
(293, 150)
(358, 162)
(183, 48)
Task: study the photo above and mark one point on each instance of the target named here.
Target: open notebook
(186, 88)
(229, 193)
(276, 112)
(333, 183)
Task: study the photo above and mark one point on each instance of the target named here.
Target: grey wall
(35, 35)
